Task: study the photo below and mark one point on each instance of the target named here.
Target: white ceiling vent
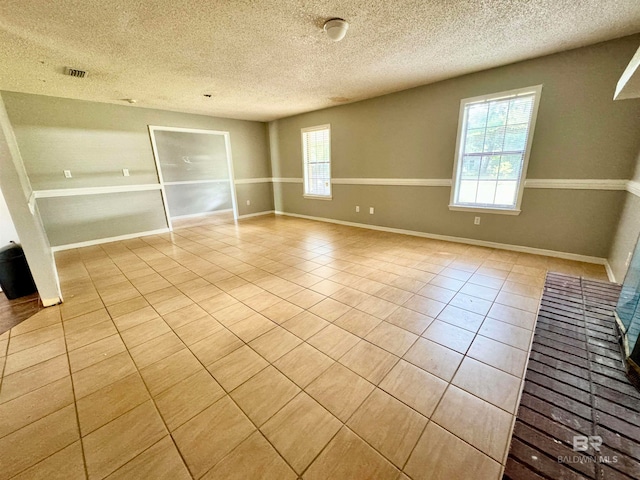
(74, 72)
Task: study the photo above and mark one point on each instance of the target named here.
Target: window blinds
(494, 142)
(317, 161)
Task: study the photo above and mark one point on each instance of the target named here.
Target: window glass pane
(474, 140)
(317, 169)
(486, 192)
(489, 167)
(470, 167)
(506, 193)
(516, 137)
(498, 113)
(467, 191)
(477, 116)
(494, 139)
(510, 166)
(520, 110)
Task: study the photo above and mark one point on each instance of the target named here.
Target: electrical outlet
(125, 172)
(370, 210)
(476, 221)
(248, 202)
(629, 257)
(357, 208)
(67, 174)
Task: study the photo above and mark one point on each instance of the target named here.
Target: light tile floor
(275, 348)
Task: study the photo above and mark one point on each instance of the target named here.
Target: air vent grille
(74, 72)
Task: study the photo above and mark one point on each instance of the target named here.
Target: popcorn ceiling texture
(262, 60)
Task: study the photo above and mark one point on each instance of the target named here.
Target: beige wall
(96, 141)
(581, 133)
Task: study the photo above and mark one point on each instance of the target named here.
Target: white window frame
(304, 163)
(537, 90)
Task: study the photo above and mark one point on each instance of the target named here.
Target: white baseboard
(468, 241)
(99, 241)
(610, 274)
(257, 214)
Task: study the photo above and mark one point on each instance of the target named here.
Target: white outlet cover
(357, 208)
(248, 202)
(370, 210)
(125, 172)
(67, 174)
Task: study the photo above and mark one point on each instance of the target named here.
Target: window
(492, 151)
(316, 155)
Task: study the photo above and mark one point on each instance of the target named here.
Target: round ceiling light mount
(336, 29)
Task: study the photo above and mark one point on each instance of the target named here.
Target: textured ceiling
(262, 60)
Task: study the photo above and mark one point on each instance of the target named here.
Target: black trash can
(15, 277)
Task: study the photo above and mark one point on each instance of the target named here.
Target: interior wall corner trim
(89, 243)
(610, 274)
(576, 184)
(633, 187)
(245, 181)
(468, 241)
(72, 192)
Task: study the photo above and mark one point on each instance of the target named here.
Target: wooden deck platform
(576, 394)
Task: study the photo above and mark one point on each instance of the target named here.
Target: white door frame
(227, 144)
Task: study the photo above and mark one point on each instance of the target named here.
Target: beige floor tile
(172, 304)
(493, 272)
(232, 314)
(350, 296)
(393, 294)
(357, 322)
(66, 464)
(391, 338)
(488, 428)
(388, 425)
(117, 442)
(264, 394)
(435, 292)
(306, 298)
(326, 287)
(156, 349)
(237, 367)
(253, 458)
(118, 293)
(275, 343)
(217, 303)
(410, 320)
(85, 321)
(252, 327)
(340, 391)
(480, 291)
(160, 462)
(305, 324)
(377, 307)
(424, 305)
(281, 311)
(187, 398)
(183, 316)
(472, 304)
(303, 364)
(348, 457)
(95, 352)
(528, 304)
(461, 318)
(369, 361)
(216, 346)
(300, 431)
(89, 335)
(53, 433)
(144, 332)
(514, 316)
(329, 309)
(333, 341)
(434, 454)
(262, 301)
(129, 306)
(34, 338)
(35, 405)
(102, 406)
(170, 370)
(417, 388)
(504, 357)
(450, 336)
(534, 281)
(506, 333)
(101, 374)
(434, 358)
(198, 329)
(486, 281)
(522, 289)
(208, 437)
(135, 318)
(71, 309)
(34, 355)
(488, 383)
(33, 378)
(446, 282)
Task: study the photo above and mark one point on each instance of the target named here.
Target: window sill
(318, 197)
(499, 211)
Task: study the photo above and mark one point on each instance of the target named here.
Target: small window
(492, 150)
(316, 155)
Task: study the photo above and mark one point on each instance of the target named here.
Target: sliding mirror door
(195, 170)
